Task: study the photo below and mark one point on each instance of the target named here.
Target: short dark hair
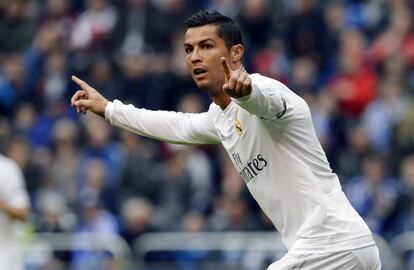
(227, 28)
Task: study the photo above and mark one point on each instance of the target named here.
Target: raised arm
(269, 99)
(166, 126)
(259, 95)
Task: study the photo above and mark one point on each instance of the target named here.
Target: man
(268, 133)
(14, 205)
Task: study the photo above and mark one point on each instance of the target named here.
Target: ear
(236, 53)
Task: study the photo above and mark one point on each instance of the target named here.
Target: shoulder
(8, 164)
(9, 167)
(265, 81)
(213, 109)
(273, 87)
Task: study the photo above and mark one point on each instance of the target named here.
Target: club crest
(238, 126)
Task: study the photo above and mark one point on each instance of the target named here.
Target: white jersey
(13, 193)
(270, 138)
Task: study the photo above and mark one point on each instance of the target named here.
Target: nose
(195, 56)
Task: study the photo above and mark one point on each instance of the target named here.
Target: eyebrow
(201, 41)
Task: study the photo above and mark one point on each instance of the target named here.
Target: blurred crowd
(352, 60)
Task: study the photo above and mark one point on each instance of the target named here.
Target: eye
(207, 46)
(188, 50)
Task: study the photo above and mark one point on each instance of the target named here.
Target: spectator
(404, 135)
(14, 86)
(100, 145)
(140, 174)
(357, 146)
(305, 25)
(355, 82)
(137, 216)
(374, 195)
(97, 220)
(255, 15)
(94, 25)
(131, 33)
(60, 12)
(384, 113)
(398, 38)
(16, 28)
(176, 192)
(405, 221)
(66, 161)
(323, 108)
(102, 75)
(272, 60)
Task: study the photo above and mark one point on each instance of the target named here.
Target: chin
(203, 85)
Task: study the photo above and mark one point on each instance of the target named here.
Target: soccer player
(268, 133)
(14, 205)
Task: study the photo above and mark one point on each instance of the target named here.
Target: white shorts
(366, 258)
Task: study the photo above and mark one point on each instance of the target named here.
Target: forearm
(166, 126)
(18, 213)
(265, 100)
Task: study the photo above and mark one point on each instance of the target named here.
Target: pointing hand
(237, 82)
(88, 98)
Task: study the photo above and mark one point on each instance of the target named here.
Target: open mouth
(199, 71)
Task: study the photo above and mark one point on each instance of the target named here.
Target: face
(204, 48)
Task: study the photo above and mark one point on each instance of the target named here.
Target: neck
(222, 99)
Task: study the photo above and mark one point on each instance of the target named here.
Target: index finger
(226, 68)
(78, 81)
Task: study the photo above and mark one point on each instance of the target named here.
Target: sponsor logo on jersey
(253, 167)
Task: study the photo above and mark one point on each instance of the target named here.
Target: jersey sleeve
(268, 100)
(172, 127)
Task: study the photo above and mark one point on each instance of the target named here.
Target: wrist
(102, 108)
